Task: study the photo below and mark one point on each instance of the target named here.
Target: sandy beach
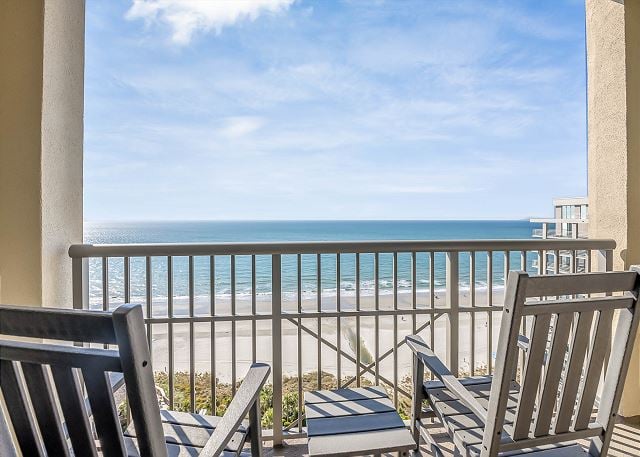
(329, 330)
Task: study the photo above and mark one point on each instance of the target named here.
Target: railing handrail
(78, 251)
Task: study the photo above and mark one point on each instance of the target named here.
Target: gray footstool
(350, 422)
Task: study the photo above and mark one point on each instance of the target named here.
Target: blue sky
(301, 109)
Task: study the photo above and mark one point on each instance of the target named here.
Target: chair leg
(416, 399)
(255, 428)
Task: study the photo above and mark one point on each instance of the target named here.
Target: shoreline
(202, 303)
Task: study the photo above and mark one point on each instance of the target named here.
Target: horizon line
(302, 220)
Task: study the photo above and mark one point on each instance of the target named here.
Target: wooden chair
(40, 382)
(545, 415)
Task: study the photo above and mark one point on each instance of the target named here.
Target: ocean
(263, 231)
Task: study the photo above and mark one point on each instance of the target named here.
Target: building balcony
(539, 233)
(558, 220)
(213, 309)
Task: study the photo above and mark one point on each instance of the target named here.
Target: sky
(333, 109)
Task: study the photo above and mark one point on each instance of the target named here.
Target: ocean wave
(288, 296)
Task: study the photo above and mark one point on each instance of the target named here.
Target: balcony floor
(625, 443)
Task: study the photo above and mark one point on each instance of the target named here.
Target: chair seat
(177, 450)
(573, 450)
(557, 450)
(185, 432)
(454, 414)
(466, 429)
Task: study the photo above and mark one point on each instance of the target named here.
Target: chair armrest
(247, 395)
(426, 356)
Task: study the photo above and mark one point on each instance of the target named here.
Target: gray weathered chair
(40, 380)
(572, 341)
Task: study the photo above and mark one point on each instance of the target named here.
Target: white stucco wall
(21, 39)
(41, 124)
(613, 64)
(62, 140)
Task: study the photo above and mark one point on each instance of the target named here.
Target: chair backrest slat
(552, 373)
(532, 373)
(44, 406)
(573, 372)
(578, 305)
(599, 350)
(16, 400)
(569, 349)
(51, 354)
(57, 324)
(73, 409)
(105, 414)
(580, 283)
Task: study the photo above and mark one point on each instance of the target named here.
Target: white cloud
(239, 126)
(186, 17)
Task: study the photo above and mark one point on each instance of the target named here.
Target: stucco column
(613, 65)
(41, 128)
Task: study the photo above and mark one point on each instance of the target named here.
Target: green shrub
(202, 382)
(224, 394)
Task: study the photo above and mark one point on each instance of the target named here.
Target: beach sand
(329, 327)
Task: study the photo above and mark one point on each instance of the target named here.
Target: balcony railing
(323, 314)
(539, 233)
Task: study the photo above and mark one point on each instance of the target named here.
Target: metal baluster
(105, 284)
(453, 309)
(170, 327)
(376, 267)
(149, 297)
(507, 266)
(319, 308)
(395, 329)
(233, 324)
(338, 329)
(358, 359)
(127, 280)
(489, 313)
(212, 312)
(472, 300)
(192, 340)
(105, 287)
(414, 291)
(300, 406)
(253, 308)
(432, 298)
(276, 337)
(127, 299)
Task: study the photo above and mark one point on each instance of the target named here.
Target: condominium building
(570, 220)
